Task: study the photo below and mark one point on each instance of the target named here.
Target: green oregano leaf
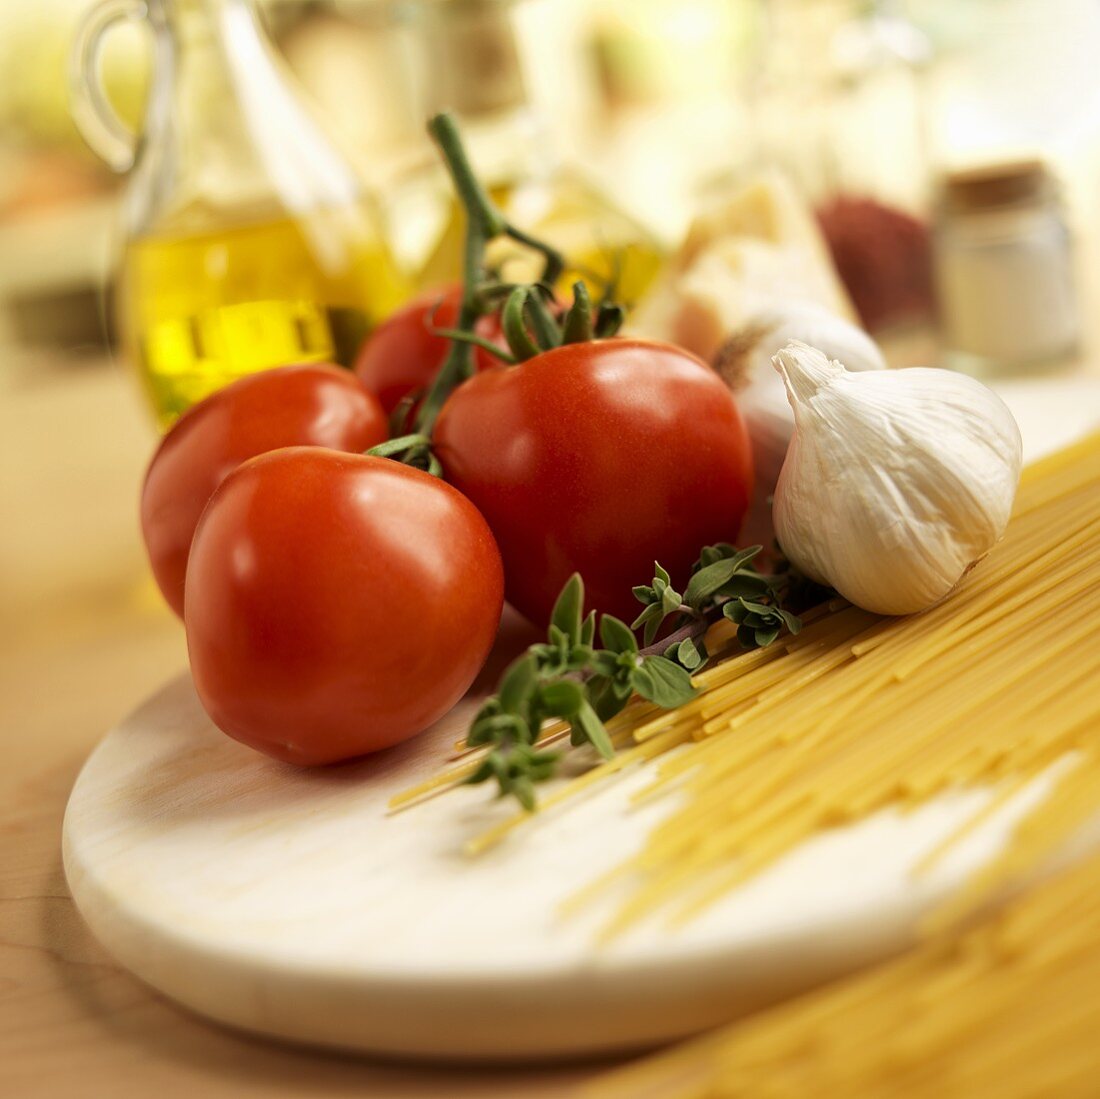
(605, 663)
(579, 658)
(543, 765)
(670, 601)
(562, 698)
(649, 634)
(592, 729)
(791, 621)
(710, 578)
(616, 635)
(755, 608)
(523, 791)
(651, 619)
(483, 773)
(747, 584)
(566, 615)
(663, 682)
(709, 554)
(607, 696)
(686, 654)
(517, 683)
(497, 729)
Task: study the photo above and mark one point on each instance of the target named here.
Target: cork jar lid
(995, 186)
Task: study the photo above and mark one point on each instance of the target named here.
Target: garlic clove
(895, 482)
(744, 362)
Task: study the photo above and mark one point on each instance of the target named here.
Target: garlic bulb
(895, 482)
(745, 362)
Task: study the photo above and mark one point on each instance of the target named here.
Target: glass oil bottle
(248, 241)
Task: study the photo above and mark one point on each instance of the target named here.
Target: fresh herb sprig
(567, 677)
(571, 678)
(723, 584)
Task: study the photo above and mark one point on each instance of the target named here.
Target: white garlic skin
(745, 362)
(895, 481)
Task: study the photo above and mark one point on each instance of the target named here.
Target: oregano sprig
(571, 677)
(723, 584)
(568, 677)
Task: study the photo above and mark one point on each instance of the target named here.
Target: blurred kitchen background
(901, 126)
(867, 107)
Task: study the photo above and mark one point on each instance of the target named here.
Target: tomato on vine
(402, 356)
(337, 603)
(314, 405)
(598, 458)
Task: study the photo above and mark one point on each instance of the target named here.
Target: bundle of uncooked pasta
(1006, 1009)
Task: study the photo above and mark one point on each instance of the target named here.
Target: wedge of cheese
(757, 249)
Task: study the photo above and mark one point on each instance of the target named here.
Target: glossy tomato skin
(599, 457)
(315, 405)
(403, 354)
(337, 604)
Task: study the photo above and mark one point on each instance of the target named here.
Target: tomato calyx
(531, 327)
(569, 678)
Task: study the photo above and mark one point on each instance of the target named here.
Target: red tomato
(309, 405)
(336, 603)
(403, 354)
(598, 457)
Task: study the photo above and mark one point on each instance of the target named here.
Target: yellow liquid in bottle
(199, 310)
(601, 244)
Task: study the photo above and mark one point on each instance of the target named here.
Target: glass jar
(1003, 269)
(247, 239)
(841, 104)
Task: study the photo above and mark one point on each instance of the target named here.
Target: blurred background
(948, 152)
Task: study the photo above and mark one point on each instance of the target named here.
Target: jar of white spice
(1003, 269)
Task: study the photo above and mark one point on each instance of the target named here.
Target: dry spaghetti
(858, 712)
(1005, 1009)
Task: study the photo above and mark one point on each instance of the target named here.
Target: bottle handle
(107, 135)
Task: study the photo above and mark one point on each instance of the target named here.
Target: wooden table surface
(83, 639)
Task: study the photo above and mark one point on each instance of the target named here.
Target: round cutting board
(290, 903)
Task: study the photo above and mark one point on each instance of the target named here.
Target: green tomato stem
(484, 222)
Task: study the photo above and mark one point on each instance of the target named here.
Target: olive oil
(199, 310)
(247, 238)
